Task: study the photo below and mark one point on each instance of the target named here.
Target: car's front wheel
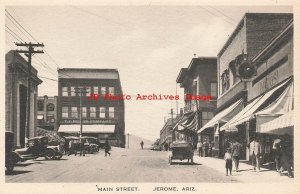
(49, 154)
(58, 156)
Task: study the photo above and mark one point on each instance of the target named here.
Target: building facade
(16, 84)
(250, 37)
(101, 117)
(47, 112)
(200, 79)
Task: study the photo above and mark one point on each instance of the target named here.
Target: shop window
(74, 112)
(102, 112)
(40, 105)
(40, 117)
(111, 112)
(65, 112)
(83, 112)
(50, 107)
(65, 91)
(93, 112)
(225, 80)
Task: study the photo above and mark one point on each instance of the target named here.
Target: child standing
(228, 161)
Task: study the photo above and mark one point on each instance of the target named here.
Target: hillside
(134, 142)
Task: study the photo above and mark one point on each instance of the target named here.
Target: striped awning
(281, 125)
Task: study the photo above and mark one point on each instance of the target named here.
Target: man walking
(199, 148)
(142, 144)
(236, 151)
(255, 153)
(107, 148)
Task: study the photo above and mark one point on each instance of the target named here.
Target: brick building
(200, 78)
(16, 75)
(102, 118)
(252, 34)
(47, 112)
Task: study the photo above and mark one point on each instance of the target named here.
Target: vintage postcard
(149, 97)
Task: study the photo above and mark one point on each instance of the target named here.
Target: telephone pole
(80, 91)
(128, 140)
(29, 54)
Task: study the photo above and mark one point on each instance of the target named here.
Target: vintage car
(181, 151)
(9, 155)
(91, 144)
(38, 147)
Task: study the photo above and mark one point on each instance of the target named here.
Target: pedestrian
(256, 154)
(71, 148)
(205, 146)
(285, 156)
(236, 152)
(81, 148)
(107, 148)
(228, 161)
(199, 148)
(142, 144)
(276, 153)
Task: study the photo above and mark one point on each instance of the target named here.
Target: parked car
(90, 144)
(38, 147)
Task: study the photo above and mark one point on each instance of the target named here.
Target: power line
(20, 25)
(16, 36)
(222, 13)
(213, 14)
(17, 27)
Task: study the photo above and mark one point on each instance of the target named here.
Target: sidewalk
(246, 173)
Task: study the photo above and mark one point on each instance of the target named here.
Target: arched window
(50, 107)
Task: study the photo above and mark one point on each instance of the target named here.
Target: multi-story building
(200, 79)
(252, 34)
(16, 76)
(166, 133)
(101, 117)
(47, 112)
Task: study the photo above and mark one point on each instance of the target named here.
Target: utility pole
(80, 91)
(173, 131)
(29, 54)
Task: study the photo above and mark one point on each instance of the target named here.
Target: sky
(147, 44)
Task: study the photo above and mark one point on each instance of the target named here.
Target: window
(65, 91)
(111, 90)
(65, 112)
(103, 91)
(95, 88)
(50, 107)
(72, 88)
(213, 89)
(40, 117)
(206, 116)
(74, 112)
(102, 112)
(93, 112)
(83, 112)
(50, 119)
(88, 91)
(40, 105)
(111, 112)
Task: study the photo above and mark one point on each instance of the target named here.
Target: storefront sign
(98, 121)
(269, 81)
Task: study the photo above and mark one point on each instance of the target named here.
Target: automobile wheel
(97, 149)
(49, 154)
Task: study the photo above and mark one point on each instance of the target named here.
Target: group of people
(204, 149)
(75, 146)
(280, 150)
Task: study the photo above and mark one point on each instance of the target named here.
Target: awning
(280, 126)
(249, 110)
(87, 128)
(224, 115)
(279, 107)
(183, 121)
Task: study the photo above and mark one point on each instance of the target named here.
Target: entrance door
(23, 104)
